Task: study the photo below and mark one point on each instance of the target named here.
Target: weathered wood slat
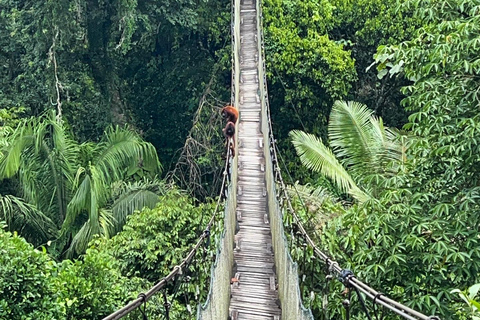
(254, 295)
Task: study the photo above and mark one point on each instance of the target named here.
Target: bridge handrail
(286, 268)
(177, 270)
(346, 276)
(218, 299)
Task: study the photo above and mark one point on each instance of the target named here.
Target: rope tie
(166, 304)
(377, 316)
(207, 237)
(345, 276)
(144, 303)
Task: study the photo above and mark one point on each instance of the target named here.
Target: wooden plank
(254, 297)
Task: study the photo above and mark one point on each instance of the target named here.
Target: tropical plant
(76, 186)
(422, 236)
(115, 158)
(26, 287)
(34, 286)
(32, 223)
(93, 287)
(40, 155)
(154, 241)
(468, 296)
(363, 151)
(306, 69)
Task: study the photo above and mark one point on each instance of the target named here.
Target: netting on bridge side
(286, 268)
(218, 301)
(216, 306)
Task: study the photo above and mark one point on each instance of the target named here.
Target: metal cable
(144, 297)
(359, 286)
(333, 266)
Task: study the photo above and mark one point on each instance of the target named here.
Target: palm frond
(80, 201)
(350, 132)
(80, 240)
(317, 201)
(316, 196)
(135, 196)
(316, 156)
(12, 155)
(26, 219)
(120, 150)
(42, 154)
(87, 232)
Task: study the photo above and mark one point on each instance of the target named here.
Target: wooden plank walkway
(254, 296)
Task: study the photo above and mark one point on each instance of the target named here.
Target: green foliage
(74, 187)
(364, 25)
(155, 240)
(10, 117)
(27, 289)
(422, 236)
(93, 287)
(103, 63)
(307, 70)
(33, 286)
(20, 215)
(468, 296)
(363, 152)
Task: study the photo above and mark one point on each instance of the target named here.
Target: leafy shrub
(155, 240)
(92, 288)
(33, 286)
(26, 287)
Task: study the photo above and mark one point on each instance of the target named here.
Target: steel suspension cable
(351, 280)
(332, 265)
(144, 297)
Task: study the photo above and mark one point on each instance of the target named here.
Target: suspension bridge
(254, 276)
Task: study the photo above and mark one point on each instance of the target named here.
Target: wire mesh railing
(334, 271)
(286, 268)
(218, 300)
(179, 270)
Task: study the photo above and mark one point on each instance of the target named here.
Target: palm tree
(103, 166)
(76, 186)
(363, 151)
(41, 157)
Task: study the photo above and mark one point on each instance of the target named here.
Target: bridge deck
(254, 296)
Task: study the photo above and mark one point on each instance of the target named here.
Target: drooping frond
(25, 218)
(87, 232)
(135, 196)
(12, 152)
(80, 200)
(317, 202)
(317, 195)
(395, 146)
(316, 156)
(43, 156)
(120, 150)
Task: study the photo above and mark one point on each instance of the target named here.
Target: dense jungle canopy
(107, 105)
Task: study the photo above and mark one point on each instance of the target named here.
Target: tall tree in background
(101, 62)
(307, 70)
(362, 26)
